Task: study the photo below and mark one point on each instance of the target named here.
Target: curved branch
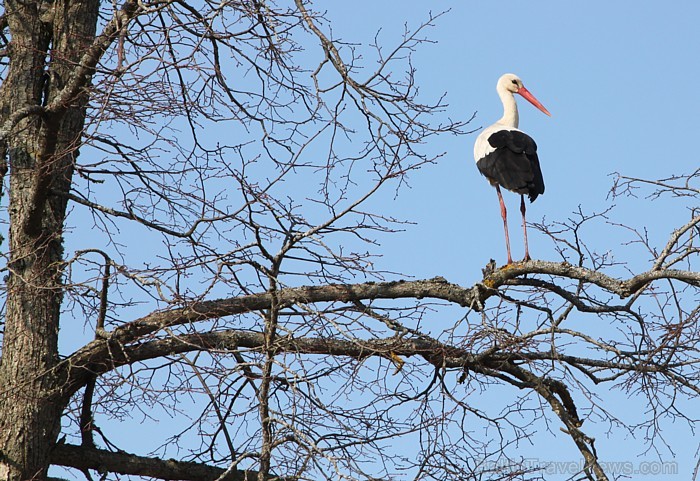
(623, 288)
(83, 458)
(565, 409)
(437, 288)
(103, 356)
(101, 351)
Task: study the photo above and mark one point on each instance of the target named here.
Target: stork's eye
(515, 82)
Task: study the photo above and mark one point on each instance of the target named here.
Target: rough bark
(40, 150)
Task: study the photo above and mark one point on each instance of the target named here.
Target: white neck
(510, 108)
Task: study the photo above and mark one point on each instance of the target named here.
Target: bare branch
(81, 457)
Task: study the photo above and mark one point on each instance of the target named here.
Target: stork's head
(511, 83)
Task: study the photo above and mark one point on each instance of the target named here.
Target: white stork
(507, 157)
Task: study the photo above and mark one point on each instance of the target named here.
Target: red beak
(531, 98)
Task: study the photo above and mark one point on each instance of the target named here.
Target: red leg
(504, 215)
(522, 211)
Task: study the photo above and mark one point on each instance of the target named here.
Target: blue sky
(620, 81)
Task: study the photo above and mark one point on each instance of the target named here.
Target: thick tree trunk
(41, 150)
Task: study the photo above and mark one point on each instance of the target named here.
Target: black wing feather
(514, 164)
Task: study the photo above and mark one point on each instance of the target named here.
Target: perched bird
(507, 157)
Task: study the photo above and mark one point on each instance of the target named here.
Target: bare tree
(216, 234)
